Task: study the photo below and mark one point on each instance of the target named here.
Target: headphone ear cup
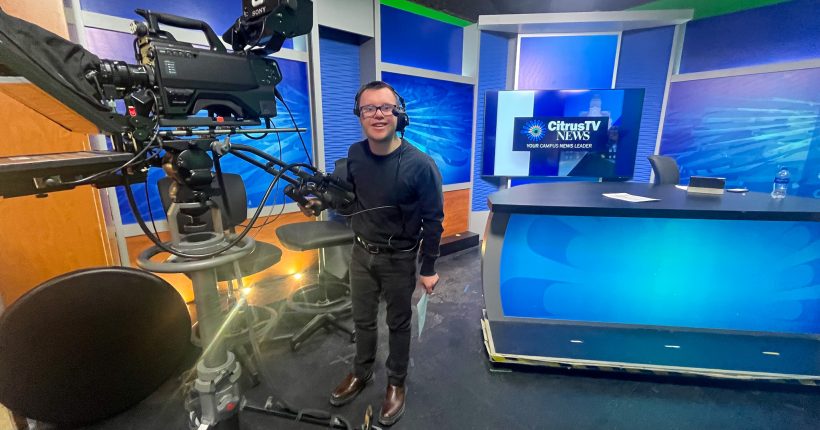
(355, 111)
(402, 120)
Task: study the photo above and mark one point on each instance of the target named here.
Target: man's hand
(429, 282)
(312, 204)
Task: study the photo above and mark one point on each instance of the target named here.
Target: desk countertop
(585, 198)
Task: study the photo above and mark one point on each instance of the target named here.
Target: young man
(397, 215)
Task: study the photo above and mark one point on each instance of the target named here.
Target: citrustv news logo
(562, 133)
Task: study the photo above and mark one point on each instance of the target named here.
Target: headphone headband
(374, 85)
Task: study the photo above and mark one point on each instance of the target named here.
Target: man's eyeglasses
(368, 111)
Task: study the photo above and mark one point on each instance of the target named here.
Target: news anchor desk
(725, 286)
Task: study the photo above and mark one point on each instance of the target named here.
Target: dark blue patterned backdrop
(492, 75)
(294, 88)
(744, 128)
(441, 121)
(340, 81)
(643, 63)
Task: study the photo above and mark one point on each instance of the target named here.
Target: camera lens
(123, 75)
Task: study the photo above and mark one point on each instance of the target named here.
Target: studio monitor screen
(548, 133)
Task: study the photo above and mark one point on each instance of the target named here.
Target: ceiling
(471, 9)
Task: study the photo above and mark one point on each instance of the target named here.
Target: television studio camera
(165, 94)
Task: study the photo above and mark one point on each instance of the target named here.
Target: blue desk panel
(725, 285)
(684, 273)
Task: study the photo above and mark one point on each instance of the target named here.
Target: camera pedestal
(218, 390)
(218, 371)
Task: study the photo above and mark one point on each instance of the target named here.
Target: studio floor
(452, 386)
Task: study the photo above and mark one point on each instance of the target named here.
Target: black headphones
(400, 112)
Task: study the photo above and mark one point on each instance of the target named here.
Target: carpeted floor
(451, 385)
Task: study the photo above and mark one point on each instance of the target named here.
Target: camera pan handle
(293, 193)
(154, 18)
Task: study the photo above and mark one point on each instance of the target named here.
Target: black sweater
(408, 182)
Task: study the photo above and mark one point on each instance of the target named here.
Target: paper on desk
(421, 308)
(629, 197)
(682, 187)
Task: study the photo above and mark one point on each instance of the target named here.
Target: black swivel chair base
(329, 296)
(321, 321)
(325, 300)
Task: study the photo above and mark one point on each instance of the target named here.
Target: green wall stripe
(426, 11)
(706, 8)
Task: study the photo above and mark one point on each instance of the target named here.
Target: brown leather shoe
(392, 406)
(348, 389)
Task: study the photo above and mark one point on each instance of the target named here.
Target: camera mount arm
(332, 192)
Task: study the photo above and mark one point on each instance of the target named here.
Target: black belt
(380, 249)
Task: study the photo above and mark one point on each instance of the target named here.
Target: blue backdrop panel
(340, 81)
(788, 31)
(744, 127)
(112, 45)
(220, 15)
(750, 275)
(643, 63)
(441, 121)
(417, 41)
(566, 62)
(492, 75)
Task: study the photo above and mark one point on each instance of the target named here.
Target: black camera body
(169, 87)
(185, 74)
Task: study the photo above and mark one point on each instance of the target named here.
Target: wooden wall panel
(42, 238)
(456, 212)
(48, 14)
(47, 106)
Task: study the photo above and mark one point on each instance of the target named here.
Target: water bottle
(781, 183)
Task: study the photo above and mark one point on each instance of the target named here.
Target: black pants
(393, 276)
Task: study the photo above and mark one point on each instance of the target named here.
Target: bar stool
(330, 295)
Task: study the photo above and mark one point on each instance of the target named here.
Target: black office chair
(330, 295)
(666, 170)
(89, 344)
